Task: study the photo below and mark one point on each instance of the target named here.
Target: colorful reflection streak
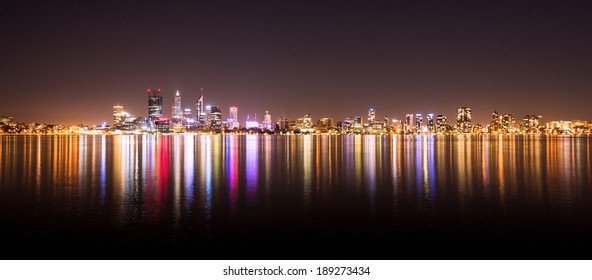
(210, 191)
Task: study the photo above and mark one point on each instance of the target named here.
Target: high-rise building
(233, 113)
(267, 123)
(441, 124)
(430, 123)
(154, 106)
(530, 124)
(215, 118)
(371, 116)
(188, 118)
(324, 125)
(418, 123)
(507, 123)
(208, 114)
(177, 114)
(232, 120)
(199, 111)
(463, 119)
(118, 116)
(305, 123)
(494, 126)
(408, 126)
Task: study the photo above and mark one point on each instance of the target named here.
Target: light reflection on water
(214, 183)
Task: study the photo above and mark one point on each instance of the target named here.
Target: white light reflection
(188, 172)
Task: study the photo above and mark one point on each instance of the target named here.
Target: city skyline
(69, 63)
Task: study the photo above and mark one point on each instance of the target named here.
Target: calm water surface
(305, 196)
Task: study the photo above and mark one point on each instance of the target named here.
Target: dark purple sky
(70, 62)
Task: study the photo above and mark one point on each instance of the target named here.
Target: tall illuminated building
(267, 123)
(371, 116)
(199, 111)
(463, 119)
(208, 114)
(154, 106)
(441, 124)
(233, 118)
(418, 123)
(215, 117)
(118, 116)
(408, 125)
(177, 114)
(430, 123)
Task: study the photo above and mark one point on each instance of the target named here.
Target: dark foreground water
(313, 197)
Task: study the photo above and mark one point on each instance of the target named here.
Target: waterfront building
(408, 125)
(118, 115)
(430, 123)
(177, 113)
(154, 105)
(305, 123)
(496, 120)
(463, 119)
(232, 121)
(371, 115)
(162, 125)
(530, 124)
(441, 124)
(507, 124)
(215, 118)
(267, 123)
(324, 125)
(200, 113)
(208, 114)
(418, 123)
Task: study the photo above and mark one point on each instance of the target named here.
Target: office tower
(371, 116)
(154, 106)
(396, 126)
(441, 124)
(208, 114)
(233, 113)
(187, 117)
(177, 114)
(199, 111)
(233, 118)
(530, 124)
(463, 119)
(215, 117)
(324, 125)
(430, 123)
(267, 123)
(494, 126)
(305, 123)
(418, 123)
(408, 123)
(507, 123)
(118, 116)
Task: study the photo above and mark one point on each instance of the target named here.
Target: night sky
(69, 62)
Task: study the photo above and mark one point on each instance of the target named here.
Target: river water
(294, 197)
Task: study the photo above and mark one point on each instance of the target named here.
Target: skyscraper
(154, 106)
(233, 118)
(408, 126)
(430, 123)
(267, 123)
(371, 116)
(177, 115)
(215, 118)
(463, 119)
(418, 123)
(118, 116)
(441, 124)
(199, 111)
